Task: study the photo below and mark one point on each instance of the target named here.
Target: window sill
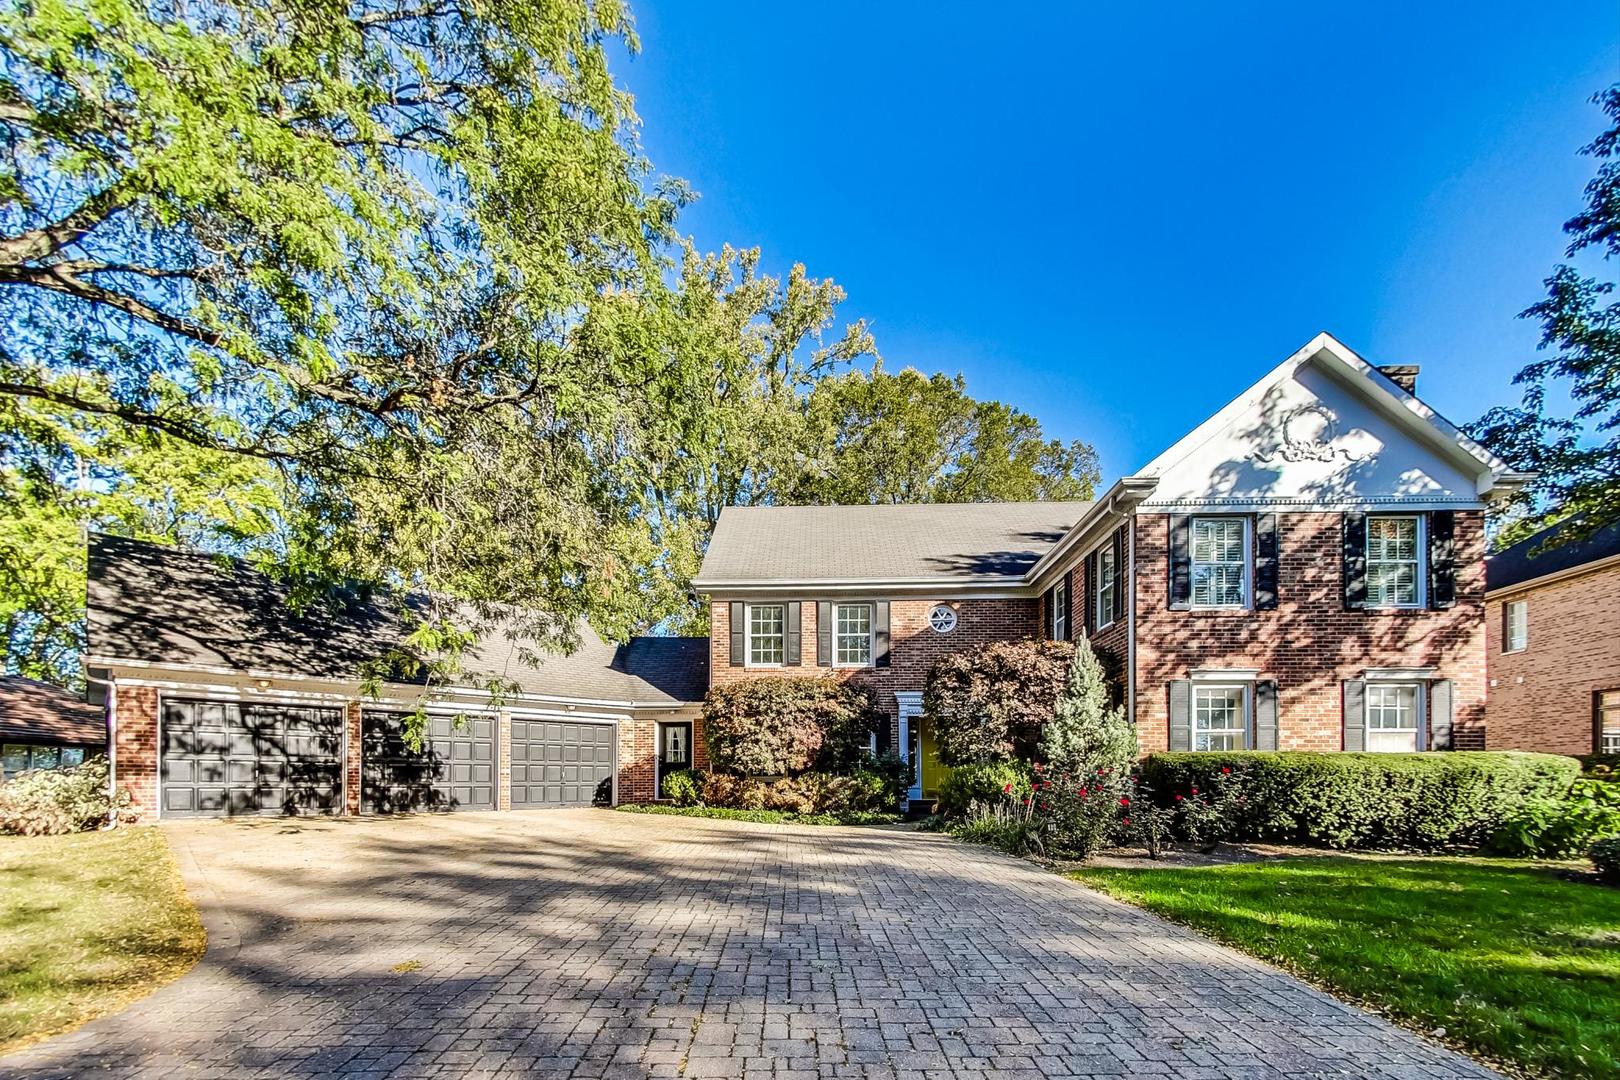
(853, 667)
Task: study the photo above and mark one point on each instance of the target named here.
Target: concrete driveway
(600, 944)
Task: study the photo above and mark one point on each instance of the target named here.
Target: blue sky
(1118, 217)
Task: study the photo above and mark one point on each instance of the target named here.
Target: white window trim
(871, 634)
(1245, 690)
(1248, 563)
(1422, 600)
(748, 636)
(1602, 730)
(1420, 713)
(1060, 609)
(1100, 620)
(1507, 637)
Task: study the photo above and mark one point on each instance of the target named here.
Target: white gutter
(1120, 499)
(1553, 577)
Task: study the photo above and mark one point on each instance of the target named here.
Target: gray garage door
(455, 769)
(560, 764)
(221, 758)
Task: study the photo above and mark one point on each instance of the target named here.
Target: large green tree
(405, 253)
(1575, 452)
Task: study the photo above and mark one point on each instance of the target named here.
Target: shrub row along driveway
(585, 943)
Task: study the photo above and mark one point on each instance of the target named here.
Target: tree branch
(38, 243)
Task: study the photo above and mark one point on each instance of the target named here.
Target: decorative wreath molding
(1299, 443)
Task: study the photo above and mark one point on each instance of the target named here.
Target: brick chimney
(1402, 375)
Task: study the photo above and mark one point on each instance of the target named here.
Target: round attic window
(942, 619)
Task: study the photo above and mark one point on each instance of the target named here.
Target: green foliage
(992, 702)
(684, 788)
(767, 726)
(1011, 825)
(1563, 827)
(1517, 962)
(1600, 766)
(1421, 802)
(44, 802)
(1605, 856)
(766, 817)
(874, 785)
(1576, 458)
(1205, 816)
(1085, 734)
(987, 783)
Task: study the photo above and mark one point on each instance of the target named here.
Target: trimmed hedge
(1422, 802)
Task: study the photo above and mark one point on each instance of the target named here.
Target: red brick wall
(135, 746)
(1541, 697)
(1309, 644)
(638, 754)
(913, 645)
(351, 758)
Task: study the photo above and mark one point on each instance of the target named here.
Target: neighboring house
(224, 701)
(1303, 571)
(1553, 624)
(46, 727)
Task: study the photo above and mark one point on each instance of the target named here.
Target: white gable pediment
(1323, 430)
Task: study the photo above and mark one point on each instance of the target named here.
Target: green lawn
(1513, 961)
(88, 922)
(763, 817)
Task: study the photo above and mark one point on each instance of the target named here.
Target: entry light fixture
(262, 684)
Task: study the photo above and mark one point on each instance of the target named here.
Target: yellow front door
(933, 770)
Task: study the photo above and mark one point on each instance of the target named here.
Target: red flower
(1226, 768)
(1037, 766)
(1123, 801)
(1178, 798)
(1045, 784)
(1127, 821)
(1007, 790)
(1195, 791)
(1026, 802)
(1043, 806)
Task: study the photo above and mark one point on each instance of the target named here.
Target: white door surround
(910, 703)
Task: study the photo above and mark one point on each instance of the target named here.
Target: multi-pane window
(1517, 634)
(1394, 562)
(20, 757)
(1060, 610)
(1219, 562)
(1107, 583)
(1393, 717)
(852, 635)
(1608, 725)
(1220, 718)
(766, 623)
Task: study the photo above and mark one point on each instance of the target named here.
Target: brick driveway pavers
(598, 944)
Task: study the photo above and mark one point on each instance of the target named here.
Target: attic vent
(1402, 375)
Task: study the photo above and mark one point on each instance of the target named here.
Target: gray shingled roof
(33, 710)
(163, 605)
(883, 542)
(1523, 561)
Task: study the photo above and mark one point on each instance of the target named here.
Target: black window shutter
(824, 633)
(1068, 604)
(1265, 562)
(1180, 562)
(1443, 559)
(880, 633)
(1355, 715)
(1441, 708)
(1355, 562)
(1181, 715)
(1049, 613)
(1090, 596)
(792, 638)
(1265, 715)
(1120, 577)
(739, 635)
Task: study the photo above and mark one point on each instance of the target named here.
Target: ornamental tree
(991, 703)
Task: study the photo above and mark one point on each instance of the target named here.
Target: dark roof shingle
(163, 605)
(35, 710)
(1523, 562)
(884, 542)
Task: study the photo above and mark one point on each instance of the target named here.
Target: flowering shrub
(986, 783)
(990, 703)
(1412, 801)
(1067, 814)
(1205, 816)
(773, 726)
(45, 802)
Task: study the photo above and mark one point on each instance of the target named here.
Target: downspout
(112, 752)
(1130, 615)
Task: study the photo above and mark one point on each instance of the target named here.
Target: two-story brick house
(1304, 570)
(1552, 620)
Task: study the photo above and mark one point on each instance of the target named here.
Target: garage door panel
(560, 762)
(221, 758)
(454, 771)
